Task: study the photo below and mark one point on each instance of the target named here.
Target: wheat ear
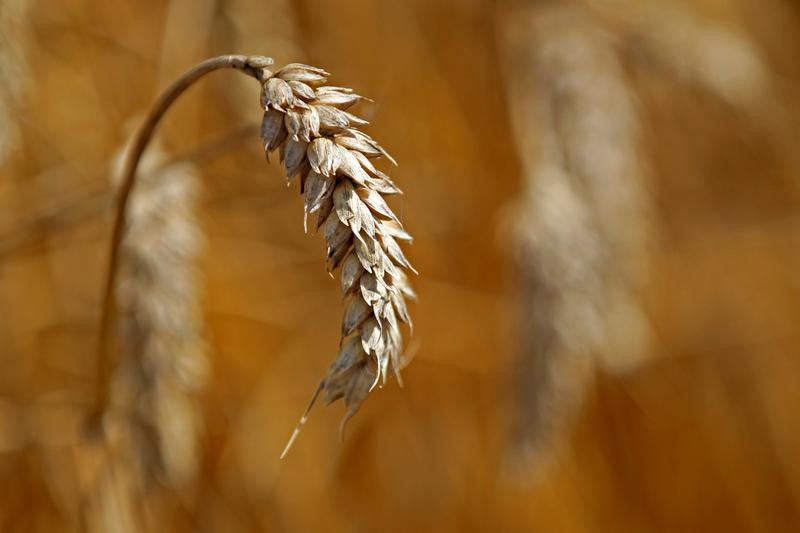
(583, 224)
(164, 351)
(320, 145)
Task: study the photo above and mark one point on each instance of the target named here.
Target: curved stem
(250, 66)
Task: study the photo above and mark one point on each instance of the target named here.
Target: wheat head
(164, 362)
(321, 146)
(582, 221)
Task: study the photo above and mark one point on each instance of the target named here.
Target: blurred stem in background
(584, 225)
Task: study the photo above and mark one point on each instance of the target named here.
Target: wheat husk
(322, 147)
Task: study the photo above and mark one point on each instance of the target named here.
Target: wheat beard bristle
(319, 144)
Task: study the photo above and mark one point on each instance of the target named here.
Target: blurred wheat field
(700, 434)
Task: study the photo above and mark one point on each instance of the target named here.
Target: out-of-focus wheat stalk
(13, 69)
(111, 496)
(163, 363)
(151, 427)
(583, 226)
(582, 223)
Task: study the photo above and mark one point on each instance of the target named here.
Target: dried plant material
(581, 224)
(164, 363)
(359, 227)
(155, 239)
(157, 290)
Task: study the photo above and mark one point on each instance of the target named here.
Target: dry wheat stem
(139, 144)
(320, 144)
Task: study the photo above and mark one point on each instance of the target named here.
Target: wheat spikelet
(582, 223)
(320, 145)
(164, 362)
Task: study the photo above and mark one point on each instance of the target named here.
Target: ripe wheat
(144, 410)
(582, 220)
(320, 145)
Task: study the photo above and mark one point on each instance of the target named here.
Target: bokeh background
(693, 425)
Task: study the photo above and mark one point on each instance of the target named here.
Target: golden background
(704, 435)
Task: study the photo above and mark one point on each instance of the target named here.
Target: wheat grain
(320, 145)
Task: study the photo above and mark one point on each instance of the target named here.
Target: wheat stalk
(164, 361)
(110, 489)
(582, 221)
(151, 426)
(320, 145)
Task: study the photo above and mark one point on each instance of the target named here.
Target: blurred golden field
(698, 431)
